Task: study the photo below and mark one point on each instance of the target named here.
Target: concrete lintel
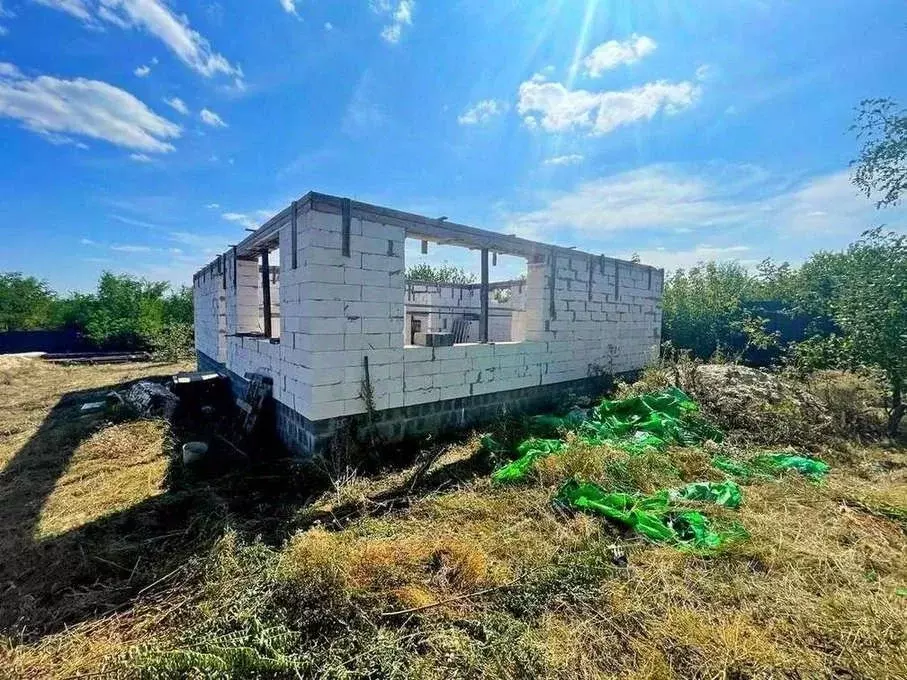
(416, 226)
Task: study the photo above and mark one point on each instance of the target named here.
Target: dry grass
(500, 582)
(62, 473)
(115, 468)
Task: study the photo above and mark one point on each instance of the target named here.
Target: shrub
(854, 401)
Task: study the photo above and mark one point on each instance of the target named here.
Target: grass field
(117, 562)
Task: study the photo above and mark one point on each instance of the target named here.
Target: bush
(174, 342)
(25, 302)
(125, 313)
(854, 401)
(703, 307)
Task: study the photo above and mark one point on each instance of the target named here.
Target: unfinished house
(357, 344)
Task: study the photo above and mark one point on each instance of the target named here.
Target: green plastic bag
(650, 422)
(530, 451)
(725, 493)
(772, 465)
(811, 467)
(652, 516)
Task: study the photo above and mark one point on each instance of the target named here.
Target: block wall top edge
(417, 226)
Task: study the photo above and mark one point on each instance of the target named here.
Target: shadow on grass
(104, 565)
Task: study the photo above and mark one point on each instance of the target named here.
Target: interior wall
(440, 305)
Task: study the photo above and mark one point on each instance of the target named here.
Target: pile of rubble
(761, 406)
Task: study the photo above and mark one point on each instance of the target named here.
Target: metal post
(266, 293)
(293, 235)
(346, 217)
(483, 318)
(552, 284)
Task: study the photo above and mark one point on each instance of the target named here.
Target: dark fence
(57, 342)
(790, 327)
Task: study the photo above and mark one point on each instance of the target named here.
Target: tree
(444, 273)
(881, 168)
(25, 302)
(178, 306)
(703, 307)
(125, 311)
(870, 306)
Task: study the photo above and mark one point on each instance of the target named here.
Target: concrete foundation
(304, 436)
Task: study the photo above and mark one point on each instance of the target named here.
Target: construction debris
(151, 399)
(92, 358)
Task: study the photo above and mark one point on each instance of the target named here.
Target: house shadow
(108, 563)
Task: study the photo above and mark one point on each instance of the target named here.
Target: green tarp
(772, 465)
(638, 424)
(659, 516)
(529, 451)
(725, 493)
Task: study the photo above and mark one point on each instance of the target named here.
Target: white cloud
(569, 159)
(203, 245)
(144, 70)
(289, 6)
(613, 53)
(832, 205)
(77, 8)
(677, 199)
(140, 158)
(155, 17)
(62, 140)
(672, 260)
(400, 14)
(249, 220)
(131, 249)
(178, 105)
(210, 118)
(364, 113)
(88, 242)
(213, 206)
(328, 26)
(54, 107)
(555, 108)
(482, 112)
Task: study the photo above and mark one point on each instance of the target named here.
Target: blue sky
(145, 135)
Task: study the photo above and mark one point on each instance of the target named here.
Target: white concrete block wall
(209, 298)
(337, 310)
(243, 296)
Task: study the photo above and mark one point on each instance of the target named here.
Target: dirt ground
(114, 561)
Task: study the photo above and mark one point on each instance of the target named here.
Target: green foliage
(174, 341)
(854, 304)
(881, 168)
(870, 306)
(26, 303)
(703, 304)
(820, 352)
(444, 273)
(124, 313)
(722, 309)
(128, 312)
